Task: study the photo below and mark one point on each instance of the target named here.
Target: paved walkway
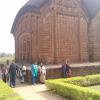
(36, 92)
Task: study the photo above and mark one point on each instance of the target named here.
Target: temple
(54, 30)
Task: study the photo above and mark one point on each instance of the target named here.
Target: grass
(6, 93)
(96, 87)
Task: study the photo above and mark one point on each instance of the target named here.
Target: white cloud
(8, 11)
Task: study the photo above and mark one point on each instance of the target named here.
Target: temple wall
(57, 33)
(71, 32)
(94, 40)
(45, 39)
(83, 40)
(25, 32)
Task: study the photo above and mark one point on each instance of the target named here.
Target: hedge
(75, 92)
(6, 93)
(85, 81)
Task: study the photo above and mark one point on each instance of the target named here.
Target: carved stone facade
(53, 31)
(94, 41)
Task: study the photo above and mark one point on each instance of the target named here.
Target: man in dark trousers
(12, 74)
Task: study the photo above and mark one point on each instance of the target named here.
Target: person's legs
(33, 79)
(4, 78)
(23, 78)
(64, 73)
(14, 80)
(36, 80)
(10, 80)
(43, 79)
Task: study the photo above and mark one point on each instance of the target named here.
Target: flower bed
(6, 93)
(72, 87)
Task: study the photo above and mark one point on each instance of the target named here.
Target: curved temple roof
(30, 6)
(92, 6)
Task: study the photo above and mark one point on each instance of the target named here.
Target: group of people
(38, 73)
(11, 71)
(21, 72)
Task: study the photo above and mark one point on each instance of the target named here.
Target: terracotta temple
(55, 30)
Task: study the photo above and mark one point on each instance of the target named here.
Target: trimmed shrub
(70, 88)
(6, 93)
(72, 91)
(89, 80)
(92, 80)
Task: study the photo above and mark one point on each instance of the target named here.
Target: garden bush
(6, 93)
(89, 80)
(72, 87)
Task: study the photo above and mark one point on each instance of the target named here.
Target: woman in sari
(43, 73)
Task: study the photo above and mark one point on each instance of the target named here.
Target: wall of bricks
(57, 33)
(94, 40)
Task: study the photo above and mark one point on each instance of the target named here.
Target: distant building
(53, 30)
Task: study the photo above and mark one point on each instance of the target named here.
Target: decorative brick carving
(57, 31)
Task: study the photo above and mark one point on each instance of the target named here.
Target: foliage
(5, 58)
(6, 93)
(5, 54)
(84, 81)
(71, 87)
(95, 87)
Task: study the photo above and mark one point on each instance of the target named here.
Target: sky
(8, 11)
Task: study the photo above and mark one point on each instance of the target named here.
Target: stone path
(36, 92)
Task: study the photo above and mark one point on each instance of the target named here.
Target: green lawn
(97, 87)
(6, 93)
